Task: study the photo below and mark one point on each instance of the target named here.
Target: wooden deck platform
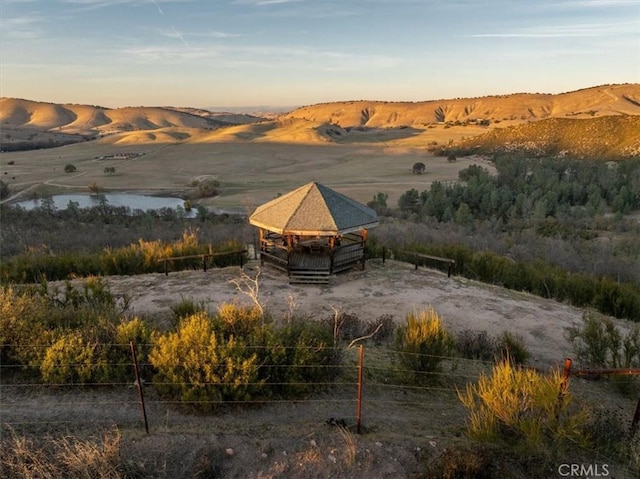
(304, 264)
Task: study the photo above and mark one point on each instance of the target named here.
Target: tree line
(531, 188)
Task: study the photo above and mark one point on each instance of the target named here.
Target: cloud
(263, 56)
(97, 4)
(23, 27)
(565, 31)
(264, 2)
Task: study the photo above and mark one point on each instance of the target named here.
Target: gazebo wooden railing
(312, 258)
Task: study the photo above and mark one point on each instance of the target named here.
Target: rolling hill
(588, 103)
(601, 121)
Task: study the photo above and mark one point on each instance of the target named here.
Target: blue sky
(295, 52)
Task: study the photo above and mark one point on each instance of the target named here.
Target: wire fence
(368, 391)
(383, 391)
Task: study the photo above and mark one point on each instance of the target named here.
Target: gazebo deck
(315, 265)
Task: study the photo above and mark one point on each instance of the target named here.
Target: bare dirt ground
(403, 428)
(392, 288)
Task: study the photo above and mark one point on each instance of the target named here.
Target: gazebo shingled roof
(313, 210)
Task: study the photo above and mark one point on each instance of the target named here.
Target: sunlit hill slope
(601, 120)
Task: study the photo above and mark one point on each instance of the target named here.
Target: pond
(133, 201)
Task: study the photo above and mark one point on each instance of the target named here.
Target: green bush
(74, 335)
(598, 343)
(476, 345)
(299, 358)
(196, 365)
(23, 332)
(422, 344)
(187, 307)
(512, 347)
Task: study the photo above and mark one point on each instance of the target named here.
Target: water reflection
(132, 201)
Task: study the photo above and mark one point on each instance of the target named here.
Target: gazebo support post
(364, 246)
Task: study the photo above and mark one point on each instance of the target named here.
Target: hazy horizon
(285, 53)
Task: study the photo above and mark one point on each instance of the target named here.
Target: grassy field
(250, 173)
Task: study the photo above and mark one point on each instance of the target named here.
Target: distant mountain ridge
(586, 103)
(87, 119)
(602, 120)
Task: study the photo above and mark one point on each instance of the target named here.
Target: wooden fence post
(139, 383)
(359, 403)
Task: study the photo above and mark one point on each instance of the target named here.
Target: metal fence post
(564, 384)
(359, 404)
(139, 384)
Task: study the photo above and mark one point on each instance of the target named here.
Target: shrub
(460, 462)
(476, 345)
(345, 326)
(23, 335)
(512, 346)
(207, 188)
(4, 190)
(385, 327)
(196, 365)
(69, 360)
(69, 168)
(187, 307)
(423, 343)
(299, 358)
(240, 321)
(521, 406)
(600, 344)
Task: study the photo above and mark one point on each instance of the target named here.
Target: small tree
(94, 189)
(418, 168)
(69, 168)
(109, 170)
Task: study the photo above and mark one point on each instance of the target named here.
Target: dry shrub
(350, 448)
(462, 463)
(67, 457)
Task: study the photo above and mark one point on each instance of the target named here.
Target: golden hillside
(606, 136)
(597, 101)
(573, 122)
(19, 114)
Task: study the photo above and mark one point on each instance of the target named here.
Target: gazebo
(313, 232)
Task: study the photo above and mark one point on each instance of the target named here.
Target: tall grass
(67, 457)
